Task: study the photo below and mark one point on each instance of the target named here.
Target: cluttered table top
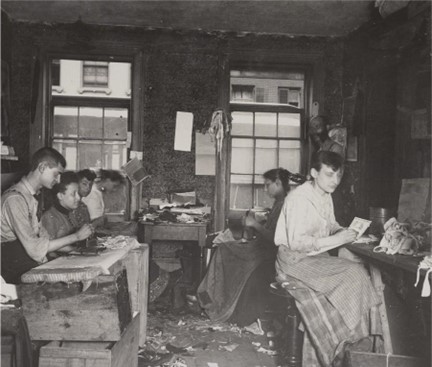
(405, 262)
(82, 267)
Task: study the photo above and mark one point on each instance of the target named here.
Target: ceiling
(292, 17)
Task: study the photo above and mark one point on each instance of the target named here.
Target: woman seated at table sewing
(225, 292)
(56, 220)
(334, 295)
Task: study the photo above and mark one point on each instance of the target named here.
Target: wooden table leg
(379, 287)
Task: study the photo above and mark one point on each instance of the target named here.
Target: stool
(293, 338)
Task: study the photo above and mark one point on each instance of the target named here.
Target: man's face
(50, 175)
(85, 186)
(70, 198)
(326, 178)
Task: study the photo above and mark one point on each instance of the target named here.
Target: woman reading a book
(334, 295)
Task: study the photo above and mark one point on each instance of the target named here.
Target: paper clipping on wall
(183, 131)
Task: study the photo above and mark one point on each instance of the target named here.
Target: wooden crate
(137, 264)
(60, 311)
(123, 353)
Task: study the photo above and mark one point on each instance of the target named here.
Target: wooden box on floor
(123, 353)
(137, 265)
(60, 311)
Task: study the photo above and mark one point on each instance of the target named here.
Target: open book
(358, 224)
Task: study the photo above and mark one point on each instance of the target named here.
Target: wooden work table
(194, 232)
(87, 297)
(404, 262)
(409, 315)
(174, 232)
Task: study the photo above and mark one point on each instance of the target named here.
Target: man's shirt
(19, 220)
(95, 203)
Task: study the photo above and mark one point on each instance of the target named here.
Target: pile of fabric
(405, 238)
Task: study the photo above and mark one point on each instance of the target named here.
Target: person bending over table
(334, 295)
(224, 293)
(24, 242)
(56, 220)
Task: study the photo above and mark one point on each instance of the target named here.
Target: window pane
(90, 154)
(95, 74)
(289, 155)
(289, 125)
(69, 150)
(242, 156)
(65, 122)
(101, 79)
(262, 199)
(90, 122)
(55, 72)
(265, 124)
(265, 155)
(116, 123)
(242, 123)
(243, 93)
(267, 87)
(241, 192)
(114, 154)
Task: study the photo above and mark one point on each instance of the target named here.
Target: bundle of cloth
(405, 238)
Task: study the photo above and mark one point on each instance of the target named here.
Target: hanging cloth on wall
(426, 263)
(220, 126)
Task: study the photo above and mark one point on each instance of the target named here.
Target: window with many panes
(266, 133)
(88, 127)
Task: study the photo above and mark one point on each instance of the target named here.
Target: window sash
(246, 182)
(103, 136)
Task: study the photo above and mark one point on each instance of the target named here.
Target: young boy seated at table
(56, 220)
(81, 215)
(24, 242)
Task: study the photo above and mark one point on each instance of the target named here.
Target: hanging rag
(219, 127)
(426, 263)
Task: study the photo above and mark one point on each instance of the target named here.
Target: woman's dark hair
(86, 173)
(331, 159)
(279, 173)
(114, 176)
(66, 179)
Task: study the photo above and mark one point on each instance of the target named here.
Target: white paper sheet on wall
(183, 131)
(205, 155)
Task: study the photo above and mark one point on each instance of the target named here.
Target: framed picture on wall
(352, 149)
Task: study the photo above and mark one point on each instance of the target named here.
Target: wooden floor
(192, 339)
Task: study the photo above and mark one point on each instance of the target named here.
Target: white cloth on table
(78, 268)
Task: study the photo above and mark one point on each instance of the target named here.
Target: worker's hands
(346, 236)
(84, 232)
